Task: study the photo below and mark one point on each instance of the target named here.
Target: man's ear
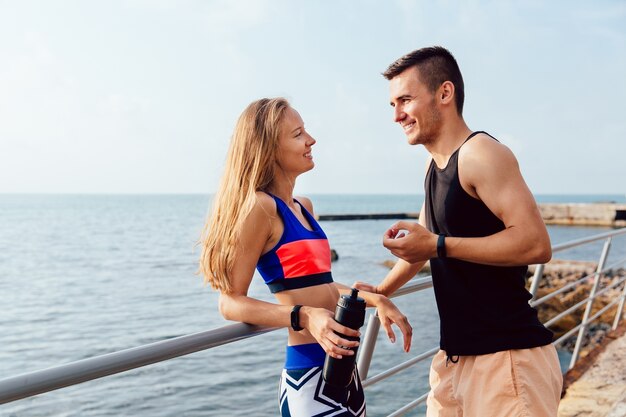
(446, 92)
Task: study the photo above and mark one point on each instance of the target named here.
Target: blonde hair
(250, 165)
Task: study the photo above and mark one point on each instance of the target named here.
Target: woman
(256, 222)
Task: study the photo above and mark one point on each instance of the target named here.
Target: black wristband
(295, 318)
(441, 246)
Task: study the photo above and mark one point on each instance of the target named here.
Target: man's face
(414, 107)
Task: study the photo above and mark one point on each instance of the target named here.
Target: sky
(141, 96)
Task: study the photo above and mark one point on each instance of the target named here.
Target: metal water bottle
(350, 312)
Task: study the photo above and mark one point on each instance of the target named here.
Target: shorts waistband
(308, 355)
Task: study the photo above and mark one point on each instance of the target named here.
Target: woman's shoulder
(264, 203)
(306, 202)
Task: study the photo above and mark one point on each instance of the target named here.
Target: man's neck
(452, 135)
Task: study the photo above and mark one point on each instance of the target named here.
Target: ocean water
(85, 275)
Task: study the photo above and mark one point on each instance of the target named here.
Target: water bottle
(350, 312)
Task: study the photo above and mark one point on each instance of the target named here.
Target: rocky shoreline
(559, 273)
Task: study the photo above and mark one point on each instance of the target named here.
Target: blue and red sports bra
(301, 258)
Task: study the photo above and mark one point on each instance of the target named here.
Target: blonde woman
(257, 223)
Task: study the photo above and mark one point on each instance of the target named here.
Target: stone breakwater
(584, 214)
(579, 214)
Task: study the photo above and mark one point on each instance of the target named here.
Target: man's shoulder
(482, 148)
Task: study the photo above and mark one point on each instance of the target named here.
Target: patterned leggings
(303, 392)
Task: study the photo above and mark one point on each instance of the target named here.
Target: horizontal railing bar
(573, 284)
(581, 303)
(567, 335)
(574, 329)
(602, 310)
(394, 370)
(33, 383)
(402, 411)
(417, 284)
(560, 290)
(566, 312)
(585, 240)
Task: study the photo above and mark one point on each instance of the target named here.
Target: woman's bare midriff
(324, 296)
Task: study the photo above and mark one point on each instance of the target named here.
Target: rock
(559, 273)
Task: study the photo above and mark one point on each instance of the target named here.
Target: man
(480, 227)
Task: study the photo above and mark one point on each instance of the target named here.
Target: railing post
(592, 294)
(620, 309)
(536, 278)
(366, 350)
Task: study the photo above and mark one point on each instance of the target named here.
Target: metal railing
(33, 383)
(367, 348)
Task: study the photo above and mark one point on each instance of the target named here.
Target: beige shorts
(512, 383)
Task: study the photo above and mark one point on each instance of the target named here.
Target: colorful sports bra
(301, 258)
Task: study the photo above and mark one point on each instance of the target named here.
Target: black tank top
(482, 308)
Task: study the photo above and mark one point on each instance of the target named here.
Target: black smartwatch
(295, 318)
(441, 246)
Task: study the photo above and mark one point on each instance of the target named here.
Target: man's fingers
(391, 243)
(403, 224)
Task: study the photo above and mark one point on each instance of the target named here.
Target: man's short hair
(435, 65)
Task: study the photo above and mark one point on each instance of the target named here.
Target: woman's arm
(255, 238)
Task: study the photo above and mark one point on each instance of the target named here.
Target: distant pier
(573, 214)
(369, 216)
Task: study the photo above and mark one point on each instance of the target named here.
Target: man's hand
(410, 241)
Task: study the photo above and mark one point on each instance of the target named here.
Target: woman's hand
(322, 326)
(364, 286)
(389, 314)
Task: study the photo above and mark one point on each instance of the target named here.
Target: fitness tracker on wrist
(295, 318)
(441, 246)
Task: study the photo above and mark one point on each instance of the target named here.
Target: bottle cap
(352, 301)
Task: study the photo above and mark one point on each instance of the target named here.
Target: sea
(85, 275)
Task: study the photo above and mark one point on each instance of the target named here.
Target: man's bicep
(502, 188)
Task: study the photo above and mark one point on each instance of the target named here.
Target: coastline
(596, 386)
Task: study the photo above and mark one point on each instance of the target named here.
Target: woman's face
(294, 145)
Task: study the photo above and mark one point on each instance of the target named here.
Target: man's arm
(400, 274)
(488, 171)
